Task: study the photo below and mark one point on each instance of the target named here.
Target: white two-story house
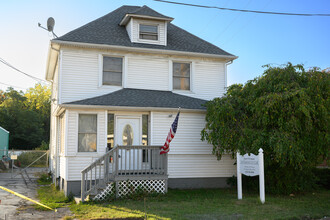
(119, 80)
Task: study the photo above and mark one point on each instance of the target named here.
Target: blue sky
(256, 38)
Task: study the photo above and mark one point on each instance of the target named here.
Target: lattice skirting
(131, 187)
(108, 192)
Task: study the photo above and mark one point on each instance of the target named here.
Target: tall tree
(26, 116)
(285, 112)
(38, 100)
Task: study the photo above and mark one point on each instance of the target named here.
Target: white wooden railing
(123, 163)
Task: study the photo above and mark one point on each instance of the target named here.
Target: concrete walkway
(14, 207)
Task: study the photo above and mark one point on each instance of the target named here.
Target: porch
(124, 170)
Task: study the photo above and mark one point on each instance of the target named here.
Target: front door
(128, 132)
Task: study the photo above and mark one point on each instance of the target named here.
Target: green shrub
(322, 177)
(43, 146)
(286, 113)
(26, 158)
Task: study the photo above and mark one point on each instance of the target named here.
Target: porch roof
(143, 98)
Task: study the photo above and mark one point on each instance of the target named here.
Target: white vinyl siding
(77, 164)
(208, 80)
(63, 165)
(80, 76)
(198, 166)
(189, 156)
(129, 28)
(187, 139)
(147, 73)
(77, 161)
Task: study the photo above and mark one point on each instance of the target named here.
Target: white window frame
(147, 40)
(192, 67)
(124, 63)
(97, 132)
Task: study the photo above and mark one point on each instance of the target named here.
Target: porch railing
(123, 163)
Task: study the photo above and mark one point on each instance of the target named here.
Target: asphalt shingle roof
(106, 30)
(144, 98)
(145, 10)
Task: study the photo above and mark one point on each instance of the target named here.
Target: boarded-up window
(112, 71)
(181, 76)
(87, 133)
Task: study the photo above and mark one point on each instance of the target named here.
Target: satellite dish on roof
(50, 24)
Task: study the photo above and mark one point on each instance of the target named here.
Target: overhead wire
(241, 10)
(26, 74)
(232, 21)
(212, 19)
(12, 85)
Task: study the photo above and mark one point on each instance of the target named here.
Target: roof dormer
(146, 26)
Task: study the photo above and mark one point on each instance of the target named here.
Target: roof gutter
(145, 50)
(128, 108)
(51, 61)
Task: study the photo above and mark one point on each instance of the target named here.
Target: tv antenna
(50, 25)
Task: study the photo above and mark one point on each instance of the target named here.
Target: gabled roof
(107, 31)
(145, 10)
(144, 98)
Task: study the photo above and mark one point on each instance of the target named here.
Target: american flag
(166, 148)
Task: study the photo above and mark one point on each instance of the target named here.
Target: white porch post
(261, 176)
(239, 178)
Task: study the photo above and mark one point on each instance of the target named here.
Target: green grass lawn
(199, 204)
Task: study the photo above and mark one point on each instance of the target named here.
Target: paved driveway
(14, 207)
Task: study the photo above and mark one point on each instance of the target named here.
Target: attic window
(148, 32)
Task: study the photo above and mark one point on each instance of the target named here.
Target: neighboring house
(119, 80)
(4, 142)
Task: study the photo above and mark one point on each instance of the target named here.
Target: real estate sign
(251, 165)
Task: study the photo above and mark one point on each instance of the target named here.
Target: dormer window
(148, 32)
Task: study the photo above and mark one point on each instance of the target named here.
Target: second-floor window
(112, 71)
(148, 32)
(181, 76)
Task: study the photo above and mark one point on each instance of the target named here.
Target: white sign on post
(251, 165)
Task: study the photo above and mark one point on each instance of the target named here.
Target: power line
(232, 21)
(11, 66)
(12, 85)
(241, 10)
